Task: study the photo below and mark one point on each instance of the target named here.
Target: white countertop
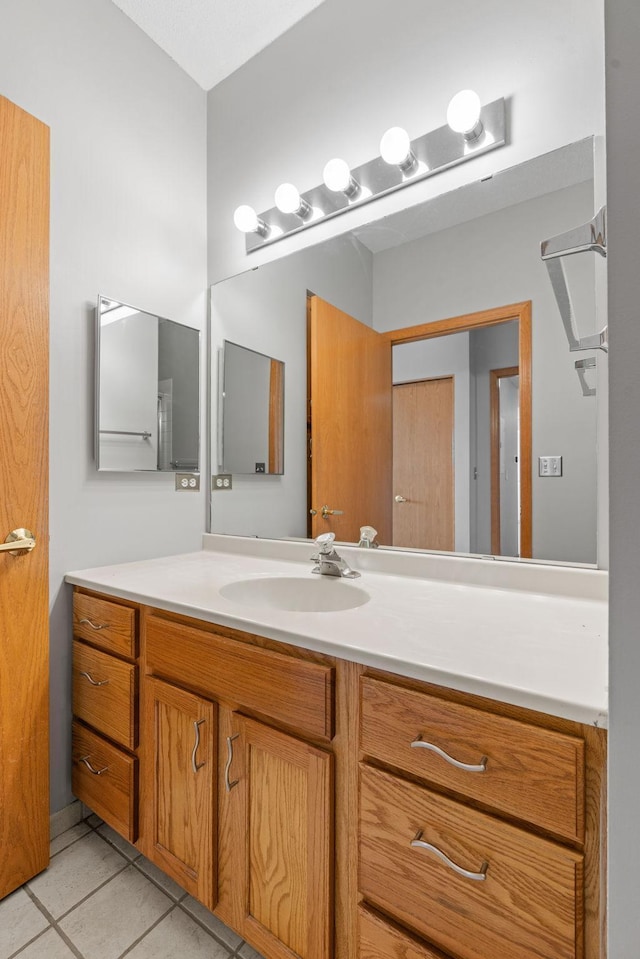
(528, 634)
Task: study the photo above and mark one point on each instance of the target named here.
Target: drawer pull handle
(92, 769)
(95, 682)
(94, 625)
(194, 764)
(418, 842)
(227, 782)
(468, 767)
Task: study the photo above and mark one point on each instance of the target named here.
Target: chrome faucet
(329, 562)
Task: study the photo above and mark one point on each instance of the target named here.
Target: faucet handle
(325, 542)
(368, 536)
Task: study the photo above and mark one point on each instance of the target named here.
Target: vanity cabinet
(105, 708)
(326, 810)
(250, 833)
(479, 826)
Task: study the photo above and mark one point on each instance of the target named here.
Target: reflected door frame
(496, 505)
(473, 321)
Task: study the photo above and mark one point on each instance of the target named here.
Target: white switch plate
(549, 466)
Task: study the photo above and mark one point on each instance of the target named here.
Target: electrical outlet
(187, 482)
(260, 468)
(221, 481)
(549, 466)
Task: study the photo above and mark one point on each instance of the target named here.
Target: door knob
(330, 512)
(18, 540)
(400, 499)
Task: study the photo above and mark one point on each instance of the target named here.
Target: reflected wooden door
(349, 425)
(423, 472)
(24, 416)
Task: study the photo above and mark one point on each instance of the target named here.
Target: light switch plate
(187, 482)
(549, 466)
(221, 481)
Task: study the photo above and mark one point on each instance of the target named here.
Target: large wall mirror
(147, 391)
(428, 373)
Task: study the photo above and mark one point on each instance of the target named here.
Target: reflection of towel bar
(592, 237)
(581, 365)
(145, 434)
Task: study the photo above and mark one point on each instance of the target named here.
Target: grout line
(80, 902)
(29, 943)
(202, 925)
(53, 924)
(147, 931)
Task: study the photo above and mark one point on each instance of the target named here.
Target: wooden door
(285, 789)
(423, 469)
(180, 770)
(350, 424)
(24, 416)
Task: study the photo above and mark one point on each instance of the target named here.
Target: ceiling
(210, 39)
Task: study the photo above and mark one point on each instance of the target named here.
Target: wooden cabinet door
(285, 788)
(180, 769)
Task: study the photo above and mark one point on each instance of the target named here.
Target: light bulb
(395, 148)
(463, 114)
(246, 219)
(337, 177)
(288, 200)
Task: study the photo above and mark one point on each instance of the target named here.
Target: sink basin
(315, 594)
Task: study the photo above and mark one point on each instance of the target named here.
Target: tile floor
(100, 899)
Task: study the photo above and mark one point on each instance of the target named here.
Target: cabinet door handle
(476, 876)
(88, 622)
(228, 785)
(194, 764)
(92, 769)
(95, 682)
(481, 767)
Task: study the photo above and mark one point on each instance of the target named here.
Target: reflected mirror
(440, 442)
(147, 391)
(252, 405)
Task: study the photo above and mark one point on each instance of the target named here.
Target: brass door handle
(400, 499)
(18, 540)
(330, 512)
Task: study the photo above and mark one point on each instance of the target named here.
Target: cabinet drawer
(534, 774)
(292, 691)
(105, 778)
(104, 693)
(528, 906)
(105, 624)
(378, 939)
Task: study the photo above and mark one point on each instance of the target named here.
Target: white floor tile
(66, 838)
(116, 840)
(160, 878)
(74, 873)
(47, 946)
(20, 921)
(116, 915)
(178, 935)
(198, 911)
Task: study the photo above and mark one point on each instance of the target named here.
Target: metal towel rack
(590, 237)
(145, 434)
(581, 365)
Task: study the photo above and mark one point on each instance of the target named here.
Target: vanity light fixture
(471, 130)
(337, 177)
(247, 221)
(395, 149)
(288, 200)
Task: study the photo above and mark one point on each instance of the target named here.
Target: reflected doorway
(505, 474)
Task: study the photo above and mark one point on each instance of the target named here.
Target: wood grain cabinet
(480, 827)
(105, 707)
(250, 836)
(325, 810)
